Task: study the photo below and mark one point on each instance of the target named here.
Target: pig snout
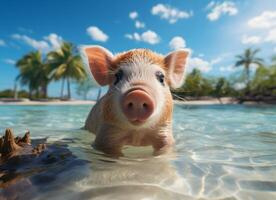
(137, 105)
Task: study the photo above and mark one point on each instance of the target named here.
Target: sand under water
(221, 152)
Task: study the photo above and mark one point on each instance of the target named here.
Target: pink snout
(137, 105)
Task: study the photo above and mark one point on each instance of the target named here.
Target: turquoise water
(221, 152)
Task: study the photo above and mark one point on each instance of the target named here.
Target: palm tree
(246, 60)
(273, 59)
(65, 64)
(33, 73)
(84, 87)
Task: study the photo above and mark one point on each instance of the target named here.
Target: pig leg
(93, 119)
(109, 140)
(162, 144)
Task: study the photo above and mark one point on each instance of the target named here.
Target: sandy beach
(211, 101)
(50, 102)
(90, 102)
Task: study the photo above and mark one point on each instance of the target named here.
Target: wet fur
(110, 137)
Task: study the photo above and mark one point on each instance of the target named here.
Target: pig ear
(175, 63)
(97, 61)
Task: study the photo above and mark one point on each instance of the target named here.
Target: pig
(137, 108)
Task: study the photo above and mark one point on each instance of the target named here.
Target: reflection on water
(221, 152)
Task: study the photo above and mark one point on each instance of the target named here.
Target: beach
(48, 102)
(91, 102)
(210, 101)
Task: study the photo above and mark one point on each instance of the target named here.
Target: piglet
(137, 109)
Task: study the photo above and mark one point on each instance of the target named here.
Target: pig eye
(160, 77)
(118, 76)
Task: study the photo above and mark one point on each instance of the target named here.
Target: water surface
(221, 152)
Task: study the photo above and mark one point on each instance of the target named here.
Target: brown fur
(127, 57)
(166, 116)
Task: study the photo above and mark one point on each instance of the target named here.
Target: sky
(214, 31)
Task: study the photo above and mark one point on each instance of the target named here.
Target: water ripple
(221, 152)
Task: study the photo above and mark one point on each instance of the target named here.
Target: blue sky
(215, 31)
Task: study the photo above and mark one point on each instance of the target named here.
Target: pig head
(137, 109)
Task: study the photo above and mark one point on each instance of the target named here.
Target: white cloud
(216, 60)
(148, 36)
(129, 36)
(134, 36)
(271, 36)
(210, 5)
(229, 68)
(199, 63)
(205, 65)
(218, 9)
(133, 15)
(139, 24)
(254, 66)
(266, 20)
(50, 42)
(251, 39)
(267, 23)
(177, 42)
(172, 15)
(96, 34)
(9, 61)
(2, 43)
(201, 55)
(36, 44)
(55, 40)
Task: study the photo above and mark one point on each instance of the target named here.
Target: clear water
(221, 152)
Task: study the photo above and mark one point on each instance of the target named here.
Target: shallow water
(221, 152)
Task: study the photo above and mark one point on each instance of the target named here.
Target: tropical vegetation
(84, 87)
(37, 71)
(247, 60)
(260, 85)
(65, 64)
(34, 74)
(10, 94)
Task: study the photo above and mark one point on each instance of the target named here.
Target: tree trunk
(68, 88)
(30, 93)
(15, 90)
(62, 88)
(44, 90)
(247, 70)
(37, 93)
(247, 75)
(99, 94)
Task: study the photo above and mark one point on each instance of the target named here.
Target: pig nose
(137, 106)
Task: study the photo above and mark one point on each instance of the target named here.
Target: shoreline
(225, 101)
(214, 101)
(50, 102)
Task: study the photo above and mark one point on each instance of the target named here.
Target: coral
(11, 146)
